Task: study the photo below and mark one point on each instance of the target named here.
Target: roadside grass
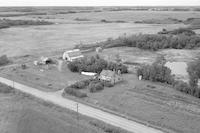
(5, 89)
(107, 128)
(29, 118)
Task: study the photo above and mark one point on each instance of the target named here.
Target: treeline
(22, 14)
(179, 31)
(6, 23)
(194, 74)
(177, 39)
(95, 64)
(157, 72)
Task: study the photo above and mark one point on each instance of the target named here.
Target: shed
(72, 55)
(110, 76)
(99, 49)
(46, 60)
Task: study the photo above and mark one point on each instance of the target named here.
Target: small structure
(99, 49)
(72, 55)
(89, 73)
(23, 66)
(140, 77)
(110, 76)
(46, 60)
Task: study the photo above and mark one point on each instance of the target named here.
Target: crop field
(67, 32)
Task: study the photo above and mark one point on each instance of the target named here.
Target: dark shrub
(74, 92)
(5, 89)
(78, 85)
(73, 66)
(107, 84)
(95, 86)
(81, 84)
(4, 60)
(181, 86)
(151, 86)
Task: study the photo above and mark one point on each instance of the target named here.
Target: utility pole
(77, 113)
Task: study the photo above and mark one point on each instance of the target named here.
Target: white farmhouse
(72, 55)
(110, 76)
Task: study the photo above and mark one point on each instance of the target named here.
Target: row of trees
(179, 31)
(194, 74)
(156, 41)
(95, 64)
(6, 23)
(156, 72)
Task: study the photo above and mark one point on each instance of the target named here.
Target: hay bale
(4, 60)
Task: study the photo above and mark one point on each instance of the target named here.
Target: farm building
(99, 49)
(46, 60)
(72, 55)
(110, 76)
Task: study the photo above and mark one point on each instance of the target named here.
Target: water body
(178, 68)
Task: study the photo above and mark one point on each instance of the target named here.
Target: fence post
(77, 113)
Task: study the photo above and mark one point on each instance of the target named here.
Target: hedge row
(74, 92)
(95, 64)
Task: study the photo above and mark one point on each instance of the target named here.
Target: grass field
(67, 32)
(23, 114)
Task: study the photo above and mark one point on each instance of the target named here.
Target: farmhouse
(72, 55)
(110, 76)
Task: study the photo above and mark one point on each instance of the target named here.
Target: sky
(99, 2)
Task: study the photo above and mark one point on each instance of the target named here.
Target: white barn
(72, 55)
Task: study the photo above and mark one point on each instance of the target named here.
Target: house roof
(107, 73)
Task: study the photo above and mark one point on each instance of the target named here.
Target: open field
(67, 32)
(40, 39)
(21, 113)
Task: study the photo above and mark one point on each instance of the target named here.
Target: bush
(4, 60)
(73, 66)
(80, 84)
(5, 89)
(95, 86)
(181, 86)
(107, 84)
(74, 92)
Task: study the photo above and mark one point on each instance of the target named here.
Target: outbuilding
(99, 49)
(72, 55)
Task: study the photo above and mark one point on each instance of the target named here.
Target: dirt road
(57, 99)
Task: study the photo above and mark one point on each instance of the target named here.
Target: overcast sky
(99, 2)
